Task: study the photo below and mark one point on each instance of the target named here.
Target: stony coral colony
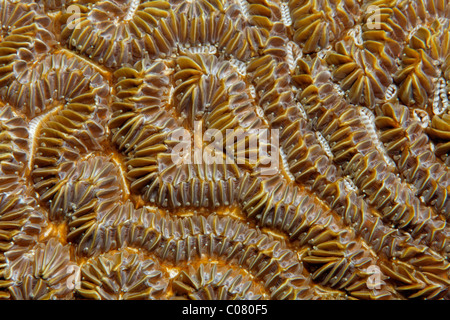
(92, 93)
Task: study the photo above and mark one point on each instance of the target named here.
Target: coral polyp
(224, 149)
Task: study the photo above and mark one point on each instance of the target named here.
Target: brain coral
(104, 106)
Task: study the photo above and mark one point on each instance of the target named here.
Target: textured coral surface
(94, 99)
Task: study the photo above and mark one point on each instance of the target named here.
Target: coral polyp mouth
(224, 149)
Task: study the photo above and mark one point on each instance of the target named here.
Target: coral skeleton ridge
(346, 198)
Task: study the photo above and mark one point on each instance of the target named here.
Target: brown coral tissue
(224, 149)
